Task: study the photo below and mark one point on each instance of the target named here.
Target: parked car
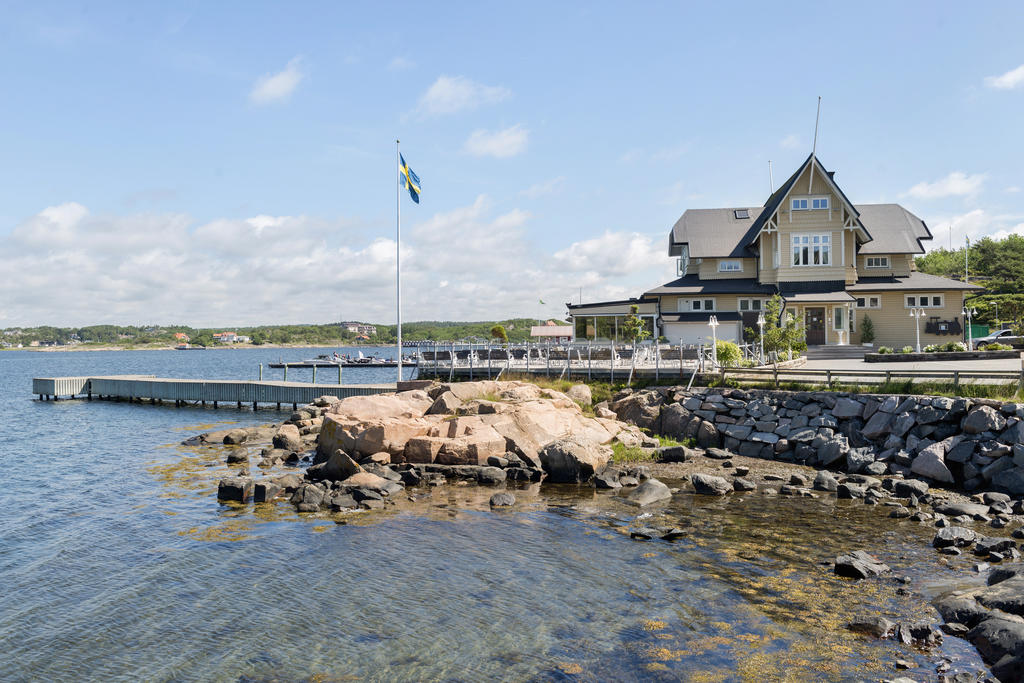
(998, 337)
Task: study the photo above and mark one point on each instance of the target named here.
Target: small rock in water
(644, 533)
(859, 565)
(742, 471)
(879, 627)
(904, 664)
(502, 499)
(672, 534)
(741, 484)
(651, 491)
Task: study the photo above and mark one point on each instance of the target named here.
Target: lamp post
(917, 314)
(969, 313)
(713, 324)
(996, 304)
(789, 322)
(760, 324)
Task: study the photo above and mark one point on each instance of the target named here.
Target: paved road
(1011, 364)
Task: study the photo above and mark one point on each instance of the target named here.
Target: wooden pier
(196, 391)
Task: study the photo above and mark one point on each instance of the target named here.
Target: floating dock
(196, 391)
(341, 364)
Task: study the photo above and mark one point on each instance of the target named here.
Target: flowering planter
(937, 355)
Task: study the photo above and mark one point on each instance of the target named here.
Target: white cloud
(953, 185)
(277, 87)
(500, 143)
(974, 224)
(613, 253)
(791, 141)
(401, 64)
(1012, 189)
(1008, 81)
(469, 263)
(537, 190)
(451, 94)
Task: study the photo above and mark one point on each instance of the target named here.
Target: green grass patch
(622, 454)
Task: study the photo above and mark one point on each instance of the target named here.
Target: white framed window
(812, 250)
(869, 302)
(877, 262)
(839, 318)
(808, 203)
(924, 301)
(702, 304)
(751, 305)
(732, 266)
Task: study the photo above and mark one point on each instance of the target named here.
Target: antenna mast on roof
(771, 181)
(814, 149)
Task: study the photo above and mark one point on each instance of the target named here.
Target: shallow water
(118, 563)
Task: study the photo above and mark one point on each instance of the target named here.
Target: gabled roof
(773, 203)
(692, 284)
(896, 230)
(714, 232)
(916, 281)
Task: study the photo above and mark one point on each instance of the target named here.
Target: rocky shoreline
(365, 452)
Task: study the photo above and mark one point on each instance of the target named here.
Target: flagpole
(398, 257)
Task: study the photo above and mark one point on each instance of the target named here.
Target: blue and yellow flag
(408, 179)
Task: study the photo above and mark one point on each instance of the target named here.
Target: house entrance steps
(835, 352)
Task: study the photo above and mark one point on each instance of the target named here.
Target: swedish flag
(408, 179)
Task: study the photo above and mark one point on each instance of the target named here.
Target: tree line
(995, 264)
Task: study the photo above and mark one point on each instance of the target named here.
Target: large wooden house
(834, 263)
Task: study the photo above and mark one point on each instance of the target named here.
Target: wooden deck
(201, 391)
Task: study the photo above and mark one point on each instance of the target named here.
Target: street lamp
(970, 313)
(917, 313)
(713, 324)
(789, 323)
(996, 304)
(760, 324)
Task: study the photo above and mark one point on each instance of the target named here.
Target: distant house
(360, 328)
(225, 337)
(551, 331)
(182, 337)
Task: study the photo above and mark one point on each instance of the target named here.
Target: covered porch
(827, 313)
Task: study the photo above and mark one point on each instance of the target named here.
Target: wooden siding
(708, 269)
(895, 328)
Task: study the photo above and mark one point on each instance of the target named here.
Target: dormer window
(806, 203)
(734, 266)
(741, 213)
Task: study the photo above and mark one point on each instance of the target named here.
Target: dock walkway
(202, 391)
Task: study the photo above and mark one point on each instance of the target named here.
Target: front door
(814, 319)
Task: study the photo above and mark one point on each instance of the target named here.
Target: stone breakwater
(968, 443)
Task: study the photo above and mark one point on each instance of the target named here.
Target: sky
(233, 163)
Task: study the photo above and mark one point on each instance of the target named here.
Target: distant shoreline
(80, 348)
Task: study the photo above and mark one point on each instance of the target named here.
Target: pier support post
(261, 372)
(239, 405)
(215, 404)
(314, 373)
(339, 373)
(285, 372)
(254, 406)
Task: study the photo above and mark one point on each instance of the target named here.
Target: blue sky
(233, 163)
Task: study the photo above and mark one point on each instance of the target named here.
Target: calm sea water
(117, 563)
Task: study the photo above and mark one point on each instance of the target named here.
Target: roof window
(741, 213)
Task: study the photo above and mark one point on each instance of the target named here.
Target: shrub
(955, 346)
(907, 349)
(884, 349)
(997, 347)
(932, 348)
(728, 353)
(867, 330)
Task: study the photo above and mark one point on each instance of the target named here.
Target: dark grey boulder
(235, 437)
(502, 499)
(490, 476)
(857, 459)
(876, 626)
(342, 501)
(1006, 596)
(983, 419)
(859, 565)
(825, 481)
(957, 536)
(958, 509)
(741, 484)
(905, 488)
(877, 426)
(650, 492)
(607, 479)
(997, 637)
(709, 484)
(918, 634)
(265, 491)
(238, 489)
(961, 609)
